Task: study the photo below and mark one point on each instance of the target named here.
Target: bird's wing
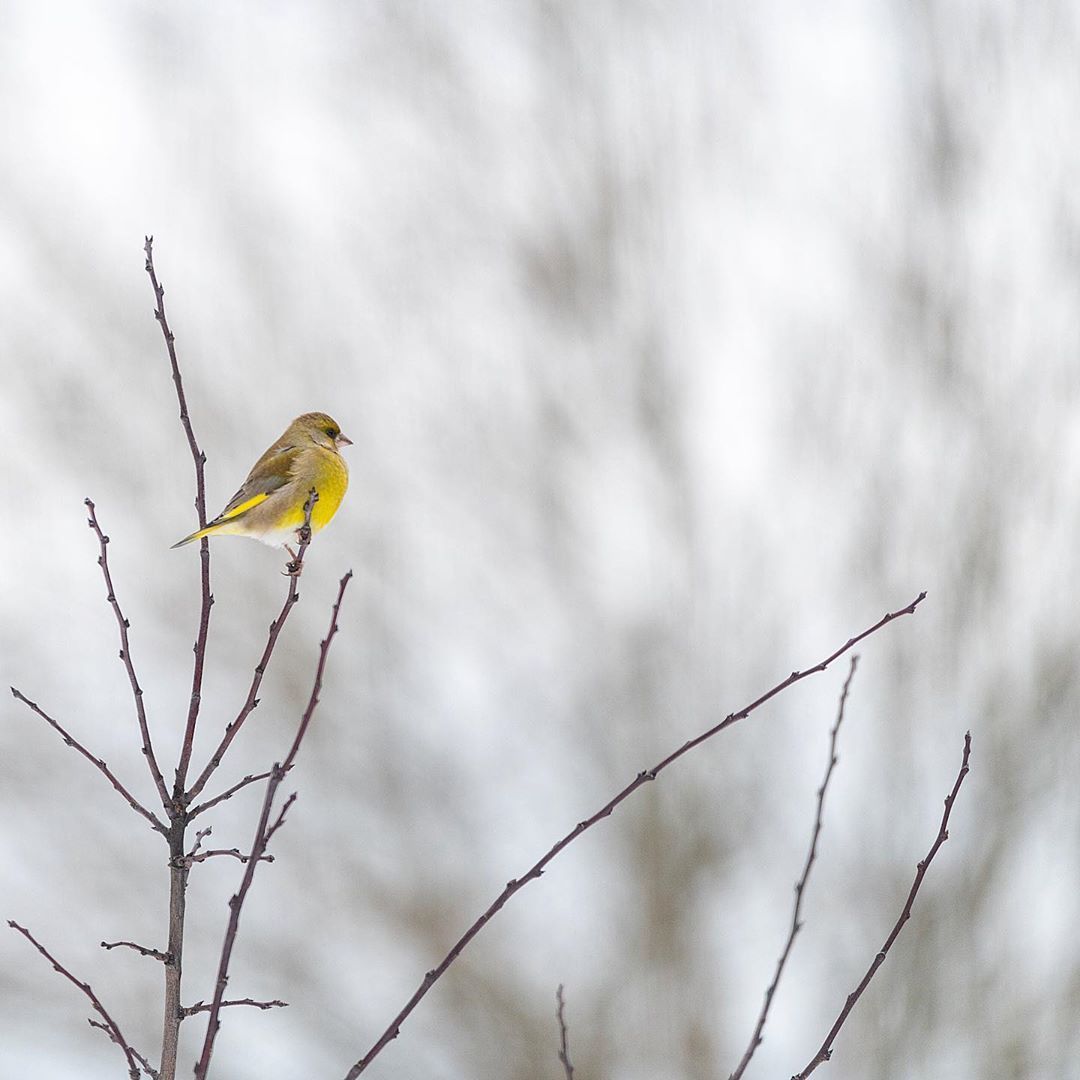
(271, 472)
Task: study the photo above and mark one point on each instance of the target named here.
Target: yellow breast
(329, 476)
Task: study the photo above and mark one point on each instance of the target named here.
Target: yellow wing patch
(243, 508)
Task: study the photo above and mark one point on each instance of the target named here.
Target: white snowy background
(678, 342)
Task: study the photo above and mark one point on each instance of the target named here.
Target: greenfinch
(270, 503)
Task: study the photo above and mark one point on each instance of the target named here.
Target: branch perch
(265, 830)
(252, 700)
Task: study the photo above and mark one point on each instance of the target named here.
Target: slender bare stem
(171, 1015)
(143, 1063)
(125, 656)
(228, 793)
(642, 778)
(564, 1049)
(825, 1051)
(800, 885)
(71, 741)
(201, 1006)
(234, 853)
(199, 460)
(110, 1025)
(263, 834)
(154, 954)
(252, 699)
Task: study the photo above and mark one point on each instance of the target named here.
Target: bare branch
(252, 700)
(155, 954)
(228, 793)
(201, 1006)
(800, 885)
(825, 1051)
(178, 869)
(109, 1024)
(642, 778)
(125, 656)
(235, 853)
(564, 1050)
(143, 1063)
(199, 460)
(200, 836)
(71, 741)
(265, 830)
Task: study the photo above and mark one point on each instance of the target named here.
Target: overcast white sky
(677, 342)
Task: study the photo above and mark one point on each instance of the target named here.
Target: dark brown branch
(110, 1025)
(265, 829)
(825, 1051)
(125, 656)
(800, 885)
(201, 1006)
(642, 778)
(154, 954)
(199, 460)
(228, 793)
(71, 741)
(564, 1050)
(252, 700)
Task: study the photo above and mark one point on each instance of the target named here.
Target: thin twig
(200, 836)
(265, 831)
(564, 1050)
(642, 778)
(143, 1063)
(202, 1006)
(252, 699)
(154, 954)
(71, 741)
(235, 853)
(110, 1025)
(178, 868)
(199, 460)
(825, 1051)
(800, 885)
(228, 793)
(125, 656)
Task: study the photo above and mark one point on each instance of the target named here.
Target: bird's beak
(343, 440)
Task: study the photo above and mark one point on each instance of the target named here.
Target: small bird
(270, 503)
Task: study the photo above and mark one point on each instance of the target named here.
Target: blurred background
(678, 342)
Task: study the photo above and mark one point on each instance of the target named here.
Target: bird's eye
(331, 432)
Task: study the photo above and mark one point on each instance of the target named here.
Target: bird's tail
(198, 534)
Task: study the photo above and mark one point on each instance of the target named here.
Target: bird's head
(321, 429)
